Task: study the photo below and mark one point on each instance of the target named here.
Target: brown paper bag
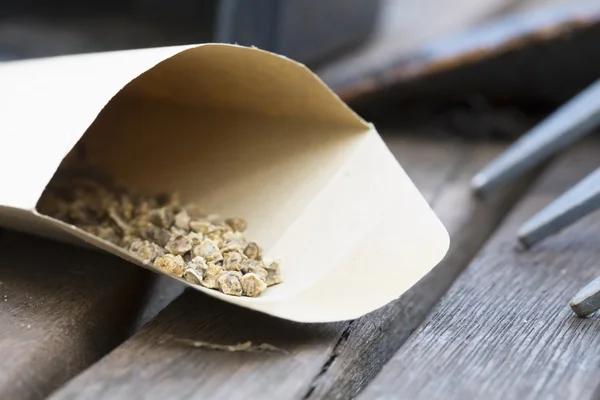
(246, 133)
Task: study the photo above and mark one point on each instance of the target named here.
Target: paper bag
(245, 133)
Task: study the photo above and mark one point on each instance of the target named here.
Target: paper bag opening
(232, 136)
(227, 132)
(247, 133)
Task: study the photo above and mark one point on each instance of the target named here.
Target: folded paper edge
(276, 307)
(98, 243)
(441, 251)
(122, 78)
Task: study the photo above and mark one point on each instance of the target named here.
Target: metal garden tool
(571, 122)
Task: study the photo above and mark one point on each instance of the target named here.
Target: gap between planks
(322, 360)
(505, 329)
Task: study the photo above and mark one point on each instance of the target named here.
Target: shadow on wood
(61, 309)
(322, 360)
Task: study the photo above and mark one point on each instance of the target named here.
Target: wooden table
(79, 324)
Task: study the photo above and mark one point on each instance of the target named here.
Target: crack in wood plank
(334, 354)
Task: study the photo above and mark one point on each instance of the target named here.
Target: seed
(216, 234)
(229, 283)
(126, 206)
(127, 240)
(253, 285)
(171, 264)
(176, 231)
(179, 245)
(194, 211)
(196, 238)
(145, 250)
(118, 221)
(193, 276)
(155, 234)
(237, 224)
(161, 237)
(208, 250)
(254, 267)
(198, 264)
(253, 251)
(232, 243)
(215, 219)
(107, 233)
(182, 220)
(80, 214)
(201, 226)
(233, 261)
(180, 240)
(162, 217)
(144, 206)
(273, 273)
(213, 272)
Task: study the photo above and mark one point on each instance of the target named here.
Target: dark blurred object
(308, 31)
(198, 18)
(58, 8)
(541, 57)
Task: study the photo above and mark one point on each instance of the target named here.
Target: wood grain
(320, 361)
(505, 329)
(469, 223)
(61, 309)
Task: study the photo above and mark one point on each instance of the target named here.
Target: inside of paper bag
(235, 134)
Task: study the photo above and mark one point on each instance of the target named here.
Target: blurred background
(300, 29)
(477, 68)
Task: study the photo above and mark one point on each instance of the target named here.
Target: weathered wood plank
(505, 329)
(61, 309)
(322, 360)
(469, 223)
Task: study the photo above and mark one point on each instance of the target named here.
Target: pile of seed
(178, 239)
